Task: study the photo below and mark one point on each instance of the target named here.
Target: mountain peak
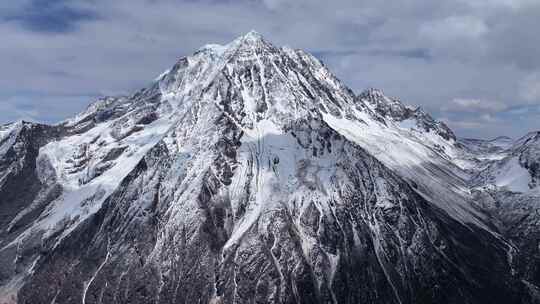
(249, 39)
(243, 153)
(252, 36)
(396, 110)
(376, 98)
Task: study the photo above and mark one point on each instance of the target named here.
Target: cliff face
(247, 173)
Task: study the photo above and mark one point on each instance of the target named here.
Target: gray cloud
(48, 16)
(429, 53)
(530, 87)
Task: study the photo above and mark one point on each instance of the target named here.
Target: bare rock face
(247, 173)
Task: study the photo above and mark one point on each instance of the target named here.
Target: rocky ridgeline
(248, 173)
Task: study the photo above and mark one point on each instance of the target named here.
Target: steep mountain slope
(420, 149)
(506, 185)
(246, 173)
(407, 117)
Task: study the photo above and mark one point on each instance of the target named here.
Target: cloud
(274, 4)
(530, 88)
(53, 16)
(48, 109)
(461, 124)
(475, 106)
(490, 4)
(454, 28)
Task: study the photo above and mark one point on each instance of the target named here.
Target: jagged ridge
(245, 172)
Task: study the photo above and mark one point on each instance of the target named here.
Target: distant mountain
(249, 173)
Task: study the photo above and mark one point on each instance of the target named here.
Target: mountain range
(248, 173)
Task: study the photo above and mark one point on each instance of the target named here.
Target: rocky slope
(506, 186)
(248, 173)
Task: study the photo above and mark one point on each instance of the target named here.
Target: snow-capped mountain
(505, 185)
(248, 173)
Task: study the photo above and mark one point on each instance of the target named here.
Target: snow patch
(407, 124)
(217, 49)
(513, 176)
(162, 75)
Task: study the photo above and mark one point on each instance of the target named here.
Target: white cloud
(15, 113)
(454, 28)
(488, 118)
(49, 109)
(530, 88)
(462, 124)
(474, 105)
(487, 4)
(274, 4)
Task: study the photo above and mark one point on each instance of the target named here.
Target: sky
(474, 64)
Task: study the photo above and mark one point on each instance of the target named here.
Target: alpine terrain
(248, 173)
